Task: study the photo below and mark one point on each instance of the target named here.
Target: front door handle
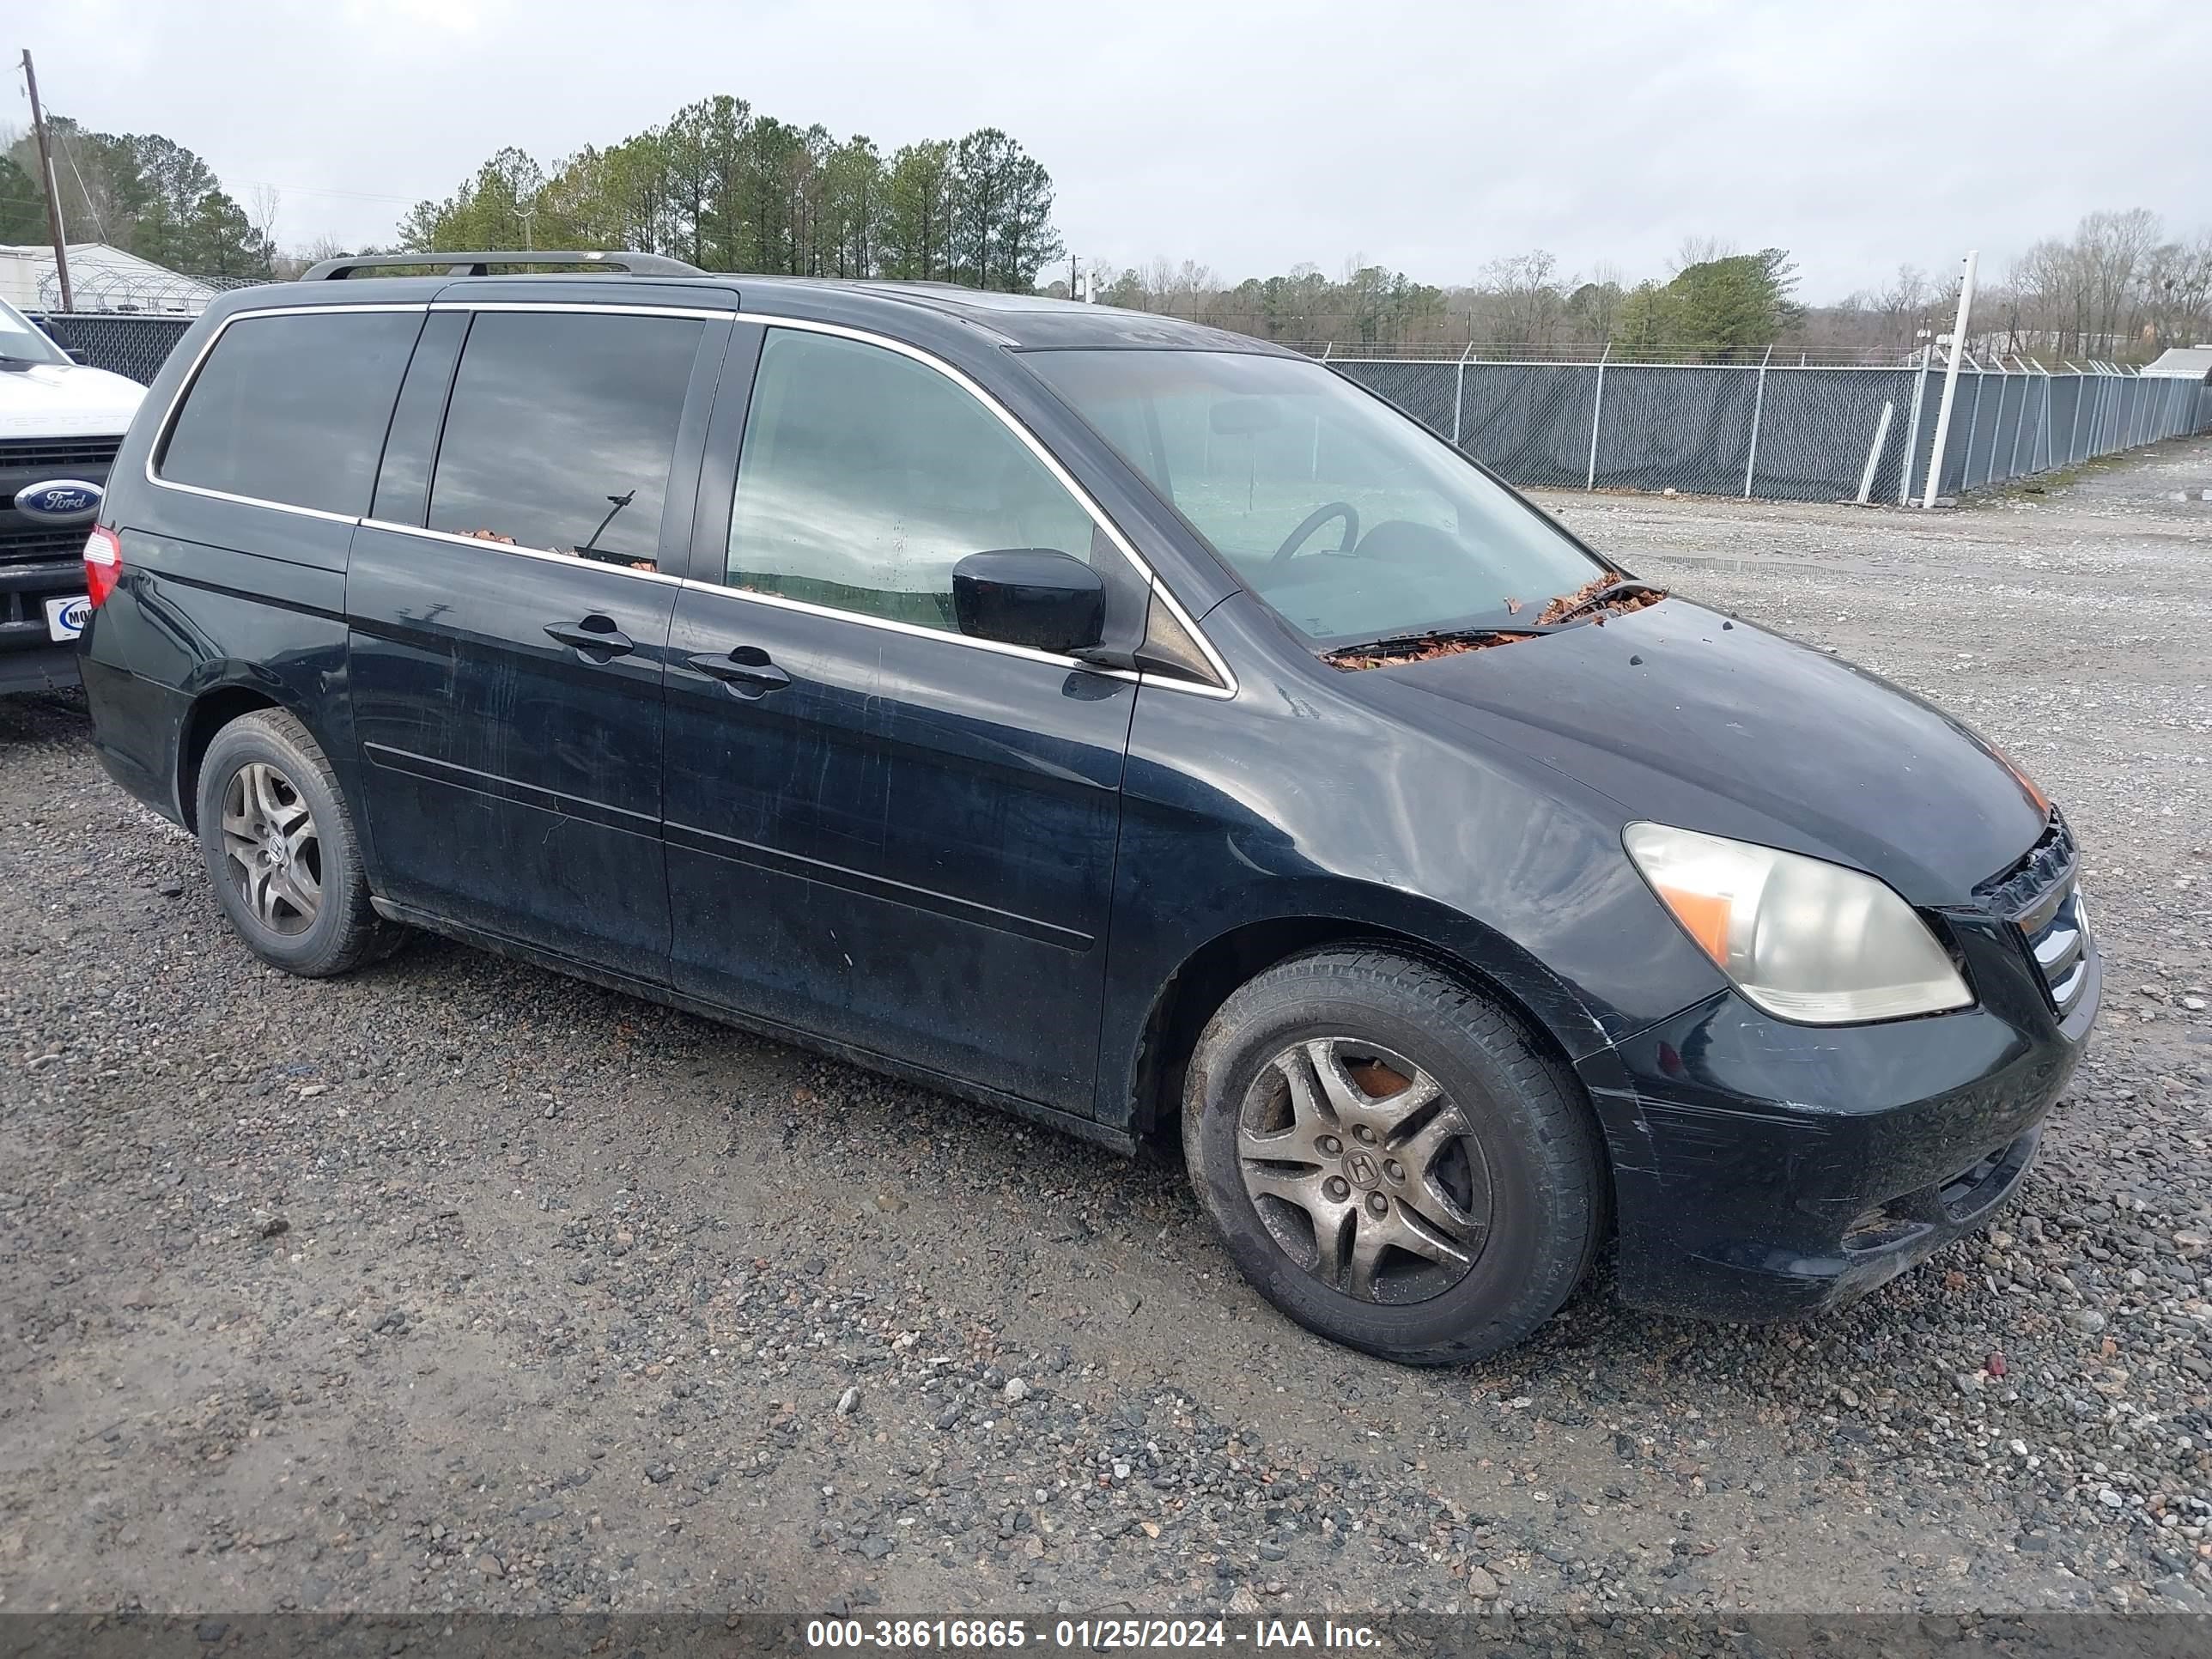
(745, 670)
(597, 638)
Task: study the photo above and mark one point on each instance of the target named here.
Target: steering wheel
(1313, 521)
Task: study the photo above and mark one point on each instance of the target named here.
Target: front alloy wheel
(1364, 1171)
(274, 854)
(1393, 1159)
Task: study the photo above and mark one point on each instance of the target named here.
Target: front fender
(1296, 800)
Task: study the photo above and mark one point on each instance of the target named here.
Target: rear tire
(1390, 1159)
(280, 845)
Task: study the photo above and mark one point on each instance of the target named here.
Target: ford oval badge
(57, 500)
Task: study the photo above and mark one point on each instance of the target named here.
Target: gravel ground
(456, 1284)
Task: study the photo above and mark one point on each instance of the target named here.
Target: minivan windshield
(19, 343)
(1355, 523)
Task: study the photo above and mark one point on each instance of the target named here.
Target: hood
(1689, 717)
(66, 400)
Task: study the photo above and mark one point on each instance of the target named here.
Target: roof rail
(479, 264)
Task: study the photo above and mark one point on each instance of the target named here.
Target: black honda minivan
(1135, 726)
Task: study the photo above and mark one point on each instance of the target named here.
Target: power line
(90, 206)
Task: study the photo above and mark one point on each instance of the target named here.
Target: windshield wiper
(1587, 598)
(1419, 648)
(1611, 594)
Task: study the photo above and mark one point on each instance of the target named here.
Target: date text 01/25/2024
(1083, 1635)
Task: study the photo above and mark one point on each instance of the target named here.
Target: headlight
(1803, 938)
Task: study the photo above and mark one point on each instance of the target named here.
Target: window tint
(560, 431)
(867, 475)
(293, 408)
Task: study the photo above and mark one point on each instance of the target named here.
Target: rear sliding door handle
(596, 637)
(746, 671)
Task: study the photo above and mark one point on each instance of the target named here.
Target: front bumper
(1762, 1169)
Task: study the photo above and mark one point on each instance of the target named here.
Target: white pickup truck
(60, 425)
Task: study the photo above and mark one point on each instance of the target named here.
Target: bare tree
(262, 211)
(1903, 305)
(1526, 301)
(1702, 251)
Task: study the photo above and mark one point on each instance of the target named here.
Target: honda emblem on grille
(59, 501)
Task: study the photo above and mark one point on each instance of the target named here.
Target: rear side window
(561, 430)
(293, 409)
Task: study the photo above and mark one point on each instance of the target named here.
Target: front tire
(1390, 1160)
(280, 845)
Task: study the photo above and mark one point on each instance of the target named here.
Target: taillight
(103, 564)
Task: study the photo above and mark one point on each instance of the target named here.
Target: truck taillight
(103, 564)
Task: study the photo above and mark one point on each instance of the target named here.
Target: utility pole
(54, 197)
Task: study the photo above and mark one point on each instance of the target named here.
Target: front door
(880, 831)
(509, 610)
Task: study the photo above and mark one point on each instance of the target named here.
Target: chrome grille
(60, 453)
(26, 543)
(2042, 896)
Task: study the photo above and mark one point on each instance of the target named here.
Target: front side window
(1352, 522)
(292, 409)
(865, 477)
(561, 430)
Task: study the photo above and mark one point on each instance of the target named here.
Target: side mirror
(75, 355)
(1032, 596)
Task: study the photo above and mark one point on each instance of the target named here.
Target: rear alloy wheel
(275, 855)
(280, 845)
(1391, 1160)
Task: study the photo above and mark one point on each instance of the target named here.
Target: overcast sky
(1429, 139)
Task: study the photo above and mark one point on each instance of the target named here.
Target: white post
(1597, 409)
(2018, 425)
(1974, 431)
(2043, 427)
(1913, 428)
(1873, 455)
(1459, 393)
(1758, 407)
(1950, 382)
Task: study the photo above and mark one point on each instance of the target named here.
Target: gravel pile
(457, 1284)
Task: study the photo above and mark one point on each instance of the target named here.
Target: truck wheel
(1390, 1160)
(281, 848)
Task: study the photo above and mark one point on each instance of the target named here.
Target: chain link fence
(135, 347)
(1779, 431)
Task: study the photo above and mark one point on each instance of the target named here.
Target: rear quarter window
(293, 409)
